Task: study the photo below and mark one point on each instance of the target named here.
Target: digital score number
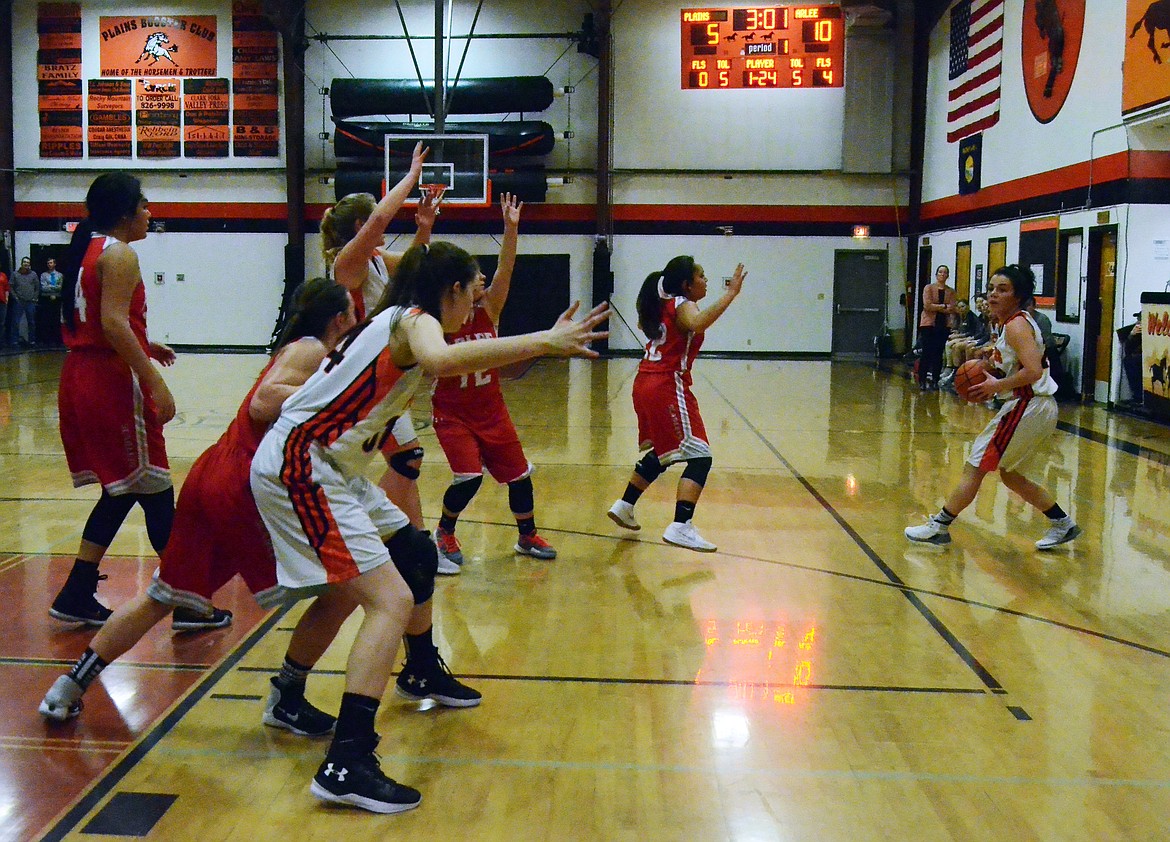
(763, 47)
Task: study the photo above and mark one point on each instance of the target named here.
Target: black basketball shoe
(356, 779)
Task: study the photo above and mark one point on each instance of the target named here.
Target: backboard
(457, 161)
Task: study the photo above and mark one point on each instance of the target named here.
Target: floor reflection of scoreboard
(762, 661)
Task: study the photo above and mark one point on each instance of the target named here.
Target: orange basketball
(969, 374)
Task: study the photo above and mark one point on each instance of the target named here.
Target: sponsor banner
(1156, 353)
(157, 117)
(109, 104)
(1145, 70)
(255, 62)
(158, 45)
(59, 91)
(206, 133)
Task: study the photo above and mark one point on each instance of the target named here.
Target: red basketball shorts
(109, 426)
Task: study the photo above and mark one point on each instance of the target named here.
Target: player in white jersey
(352, 233)
(333, 528)
(1024, 422)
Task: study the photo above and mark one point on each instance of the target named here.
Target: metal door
(860, 281)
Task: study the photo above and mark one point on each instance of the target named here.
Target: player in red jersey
(352, 234)
(218, 532)
(472, 421)
(113, 402)
(669, 424)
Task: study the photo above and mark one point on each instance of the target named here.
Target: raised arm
(692, 319)
(120, 275)
(349, 267)
(424, 219)
(497, 294)
(294, 365)
(566, 338)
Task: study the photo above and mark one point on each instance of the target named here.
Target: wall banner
(970, 163)
(1156, 353)
(59, 88)
(157, 117)
(255, 59)
(158, 45)
(205, 118)
(110, 109)
(1145, 71)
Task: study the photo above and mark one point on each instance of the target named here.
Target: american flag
(976, 58)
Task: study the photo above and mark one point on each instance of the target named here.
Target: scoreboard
(763, 47)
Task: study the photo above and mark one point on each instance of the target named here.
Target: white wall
(1086, 128)
(233, 281)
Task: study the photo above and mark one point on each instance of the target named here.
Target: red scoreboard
(763, 47)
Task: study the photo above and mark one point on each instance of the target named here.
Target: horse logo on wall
(1051, 32)
(1145, 74)
(154, 49)
(1156, 16)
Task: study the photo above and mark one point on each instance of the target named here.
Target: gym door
(860, 280)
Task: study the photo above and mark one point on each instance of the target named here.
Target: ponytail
(71, 269)
(315, 303)
(671, 281)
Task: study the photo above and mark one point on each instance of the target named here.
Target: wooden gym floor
(818, 678)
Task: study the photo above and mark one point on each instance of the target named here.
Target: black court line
(123, 767)
(61, 662)
(981, 672)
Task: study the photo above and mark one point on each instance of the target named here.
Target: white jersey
(377, 279)
(350, 404)
(1006, 360)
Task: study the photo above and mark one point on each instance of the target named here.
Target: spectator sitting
(970, 332)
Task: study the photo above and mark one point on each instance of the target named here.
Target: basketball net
(435, 191)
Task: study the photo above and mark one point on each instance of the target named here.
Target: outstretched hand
(568, 338)
(510, 206)
(416, 159)
(428, 208)
(737, 280)
(164, 354)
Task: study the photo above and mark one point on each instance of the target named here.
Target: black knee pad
(520, 498)
(648, 467)
(159, 510)
(106, 518)
(401, 462)
(417, 559)
(459, 494)
(697, 469)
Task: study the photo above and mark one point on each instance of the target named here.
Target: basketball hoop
(435, 191)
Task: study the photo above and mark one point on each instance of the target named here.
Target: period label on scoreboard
(763, 47)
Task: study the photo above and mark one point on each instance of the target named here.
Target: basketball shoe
(448, 546)
(427, 678)
(685, 535)
(931, 532)
(303, 719)
(77, 600)
(622, 513)
(535, 546)
(1061, 531)
(63, 701)
(184, 619)
(351, 775)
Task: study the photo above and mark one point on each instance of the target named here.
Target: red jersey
(675, 349)
(87, 333)
(476, 390)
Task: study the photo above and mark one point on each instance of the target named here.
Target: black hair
(315, 303)
(112, 197)
(1023, 281)
(675, 279)
(424, 273)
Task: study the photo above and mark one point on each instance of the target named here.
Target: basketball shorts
(326, 527)
(668, 418)
(481, 438)
(1020, 427)
(401, 435)
(109, 426)
(217, 534)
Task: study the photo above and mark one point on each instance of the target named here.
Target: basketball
(968, 375)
